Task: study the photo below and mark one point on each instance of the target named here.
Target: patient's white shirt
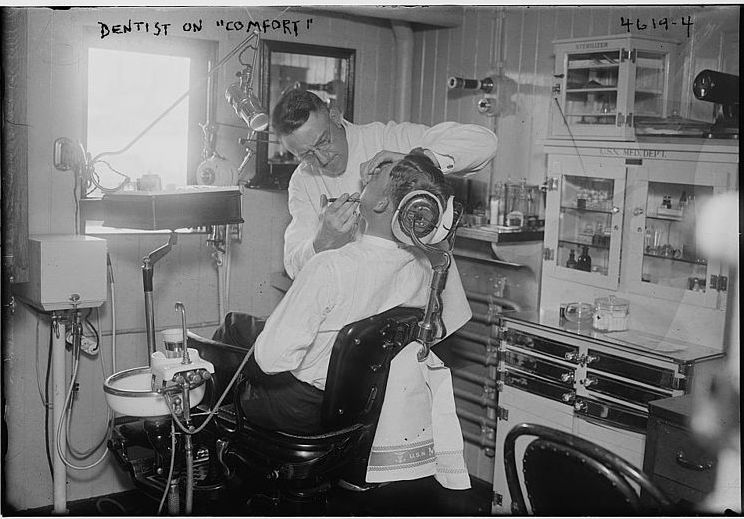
(341, 286)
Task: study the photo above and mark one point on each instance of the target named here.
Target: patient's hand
(338, 222)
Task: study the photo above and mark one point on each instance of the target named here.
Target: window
(131, 81)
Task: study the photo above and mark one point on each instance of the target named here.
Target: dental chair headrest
(421, 212)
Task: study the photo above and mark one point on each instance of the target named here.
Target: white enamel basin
(130, 393)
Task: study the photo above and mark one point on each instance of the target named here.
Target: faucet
(182, 309)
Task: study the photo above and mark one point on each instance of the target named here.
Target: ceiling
(437, 16)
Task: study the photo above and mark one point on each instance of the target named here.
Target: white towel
(418, 434)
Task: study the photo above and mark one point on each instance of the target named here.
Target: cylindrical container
(173, 341)
(579, 317)
(496, 204)
(611, 314)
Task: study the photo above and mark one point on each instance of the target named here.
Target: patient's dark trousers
(281, 402)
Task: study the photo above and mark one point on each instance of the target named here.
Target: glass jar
(611, 314)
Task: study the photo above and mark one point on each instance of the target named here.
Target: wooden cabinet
(679, 466)
(586, 383)
(604, 85)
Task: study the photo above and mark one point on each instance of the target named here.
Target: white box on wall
(62, 267)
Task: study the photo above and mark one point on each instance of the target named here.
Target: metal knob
(567, 397)
(570, 356)
(580, 405)
(567, 377)
(638, 211)
(615, 209)
(590, 358)
(590, 382)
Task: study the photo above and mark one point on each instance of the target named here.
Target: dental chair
(293, 473)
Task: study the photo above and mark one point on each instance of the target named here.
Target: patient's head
(391, 182)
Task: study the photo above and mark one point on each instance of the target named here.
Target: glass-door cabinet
(664, 212)
(583, 221)
(603, 85)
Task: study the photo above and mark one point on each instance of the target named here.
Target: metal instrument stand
(148, 262)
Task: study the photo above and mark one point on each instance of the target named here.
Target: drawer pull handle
(698, 467)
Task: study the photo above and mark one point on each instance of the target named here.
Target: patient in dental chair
(287, 373)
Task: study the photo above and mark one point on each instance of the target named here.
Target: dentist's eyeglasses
(324, 146)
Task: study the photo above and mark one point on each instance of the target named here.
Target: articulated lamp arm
(431, 327)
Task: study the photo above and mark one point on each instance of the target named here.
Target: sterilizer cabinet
(603, 85)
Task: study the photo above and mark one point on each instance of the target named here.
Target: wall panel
(528, 36)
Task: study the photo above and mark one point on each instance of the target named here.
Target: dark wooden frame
(14, 149)
(276, 176)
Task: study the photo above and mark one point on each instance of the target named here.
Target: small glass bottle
(496, 204)
(585, 261)
(571, 263)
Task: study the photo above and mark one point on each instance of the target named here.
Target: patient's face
(374, 189)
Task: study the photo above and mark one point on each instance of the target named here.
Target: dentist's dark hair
(293, 109)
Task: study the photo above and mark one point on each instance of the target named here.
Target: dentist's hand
(366, 169)
(338, 222)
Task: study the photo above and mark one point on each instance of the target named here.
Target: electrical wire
(178, 101)
(170, 469)
(76, 199)
(78, 453)
(570, 133)
(66, 412)
(47, 429)
(109, 500)
(44, 401)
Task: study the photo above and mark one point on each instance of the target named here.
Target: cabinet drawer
(567, 352)
(679, 458)
(645, 373)
(553, 371)
(682, 497)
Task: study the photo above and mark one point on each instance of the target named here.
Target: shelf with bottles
(604, 207)
(677, 274)
(587, 193)
(582, 243)
(581, 257)
(675, 255)
(515, 205)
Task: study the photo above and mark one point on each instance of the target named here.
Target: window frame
(201, 99)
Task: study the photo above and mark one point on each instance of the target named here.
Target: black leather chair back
(355, 389)
(360, 363)
(567, 475)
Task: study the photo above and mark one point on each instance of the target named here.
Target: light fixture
(246, 105)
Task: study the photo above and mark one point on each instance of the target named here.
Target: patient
(338, 287)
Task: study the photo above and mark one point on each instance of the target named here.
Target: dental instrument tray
(195, 206)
